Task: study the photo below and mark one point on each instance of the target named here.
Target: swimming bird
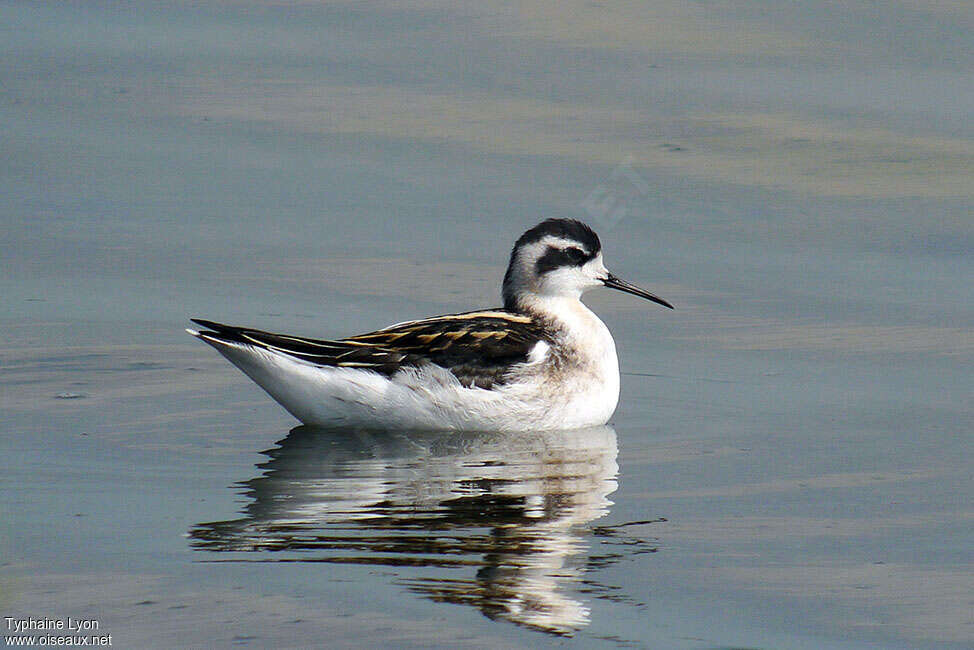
(543, 361)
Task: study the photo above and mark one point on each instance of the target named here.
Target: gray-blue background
(796, 179)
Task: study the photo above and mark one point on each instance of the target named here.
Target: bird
(543, 361)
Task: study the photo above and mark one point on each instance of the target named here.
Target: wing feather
(477, 347)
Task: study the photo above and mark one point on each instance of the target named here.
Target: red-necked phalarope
(543, 361)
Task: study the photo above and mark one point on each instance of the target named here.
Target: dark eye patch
(554, 258)
(576, 255)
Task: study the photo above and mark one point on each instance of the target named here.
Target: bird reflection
(506, 509)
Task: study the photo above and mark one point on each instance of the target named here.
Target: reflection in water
(506, 506)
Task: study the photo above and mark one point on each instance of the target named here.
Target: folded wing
(477, 347)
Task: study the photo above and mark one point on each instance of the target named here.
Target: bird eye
(576, 255)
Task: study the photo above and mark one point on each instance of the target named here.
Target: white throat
(568, 313)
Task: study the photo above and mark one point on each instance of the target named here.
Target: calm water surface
(789, 466)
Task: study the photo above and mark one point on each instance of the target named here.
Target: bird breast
(581, 369)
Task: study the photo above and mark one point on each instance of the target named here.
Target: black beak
(613, 282)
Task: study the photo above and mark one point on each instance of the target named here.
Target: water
(789, 466)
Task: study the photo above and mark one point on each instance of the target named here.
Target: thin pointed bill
(613, 282)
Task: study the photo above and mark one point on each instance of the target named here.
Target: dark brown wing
(477, 347)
